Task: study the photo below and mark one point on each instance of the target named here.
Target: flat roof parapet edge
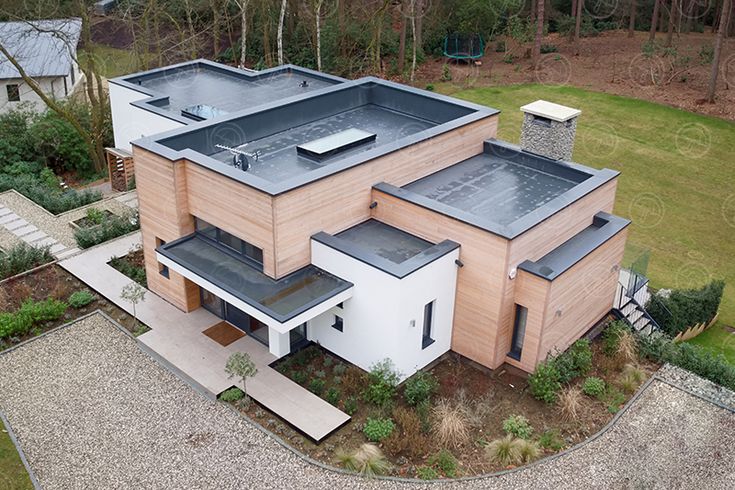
(604, 226)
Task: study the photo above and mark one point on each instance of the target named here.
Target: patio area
(176, 339)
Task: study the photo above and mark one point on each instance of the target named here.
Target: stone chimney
(549, 129)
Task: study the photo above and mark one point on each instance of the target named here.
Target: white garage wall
(377, 319)
(130, 123)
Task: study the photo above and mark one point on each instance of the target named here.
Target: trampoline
(464, 46)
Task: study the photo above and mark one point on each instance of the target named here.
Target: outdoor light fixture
(459, 263)
(512, 273)
(558, 312)
(615, 268)
(373, 204)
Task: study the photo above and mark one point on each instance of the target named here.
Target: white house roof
(44, 48)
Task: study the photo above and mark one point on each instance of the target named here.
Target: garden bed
(482, 401)
(53, 283)
(132, 265)
(93, 218)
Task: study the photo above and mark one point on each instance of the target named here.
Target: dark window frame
(519, 332)
(428, 325)
(246, 250)
(162, 268)
(13, 91)
(339, 323)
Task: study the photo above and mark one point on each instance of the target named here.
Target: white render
(57, 88)
(130, 123)
(384, 317)
(550, 110)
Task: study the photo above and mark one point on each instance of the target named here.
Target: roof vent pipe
(549, 129)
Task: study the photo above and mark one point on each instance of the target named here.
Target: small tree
(135, 293)
(240, 365)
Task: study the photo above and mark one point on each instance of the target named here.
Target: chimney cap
(552, 111)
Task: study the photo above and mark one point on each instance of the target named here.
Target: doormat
(223, 333)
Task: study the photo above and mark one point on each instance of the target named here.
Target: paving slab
(24, 230)
(16, 223)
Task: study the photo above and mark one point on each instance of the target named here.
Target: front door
(246, 323)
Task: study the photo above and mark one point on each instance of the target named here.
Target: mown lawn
(677, 182)
(13, 474)
(114, 62)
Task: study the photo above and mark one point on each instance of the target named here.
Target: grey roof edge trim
(579, 248)
(163, 250)
(153, 143)
(398, 271)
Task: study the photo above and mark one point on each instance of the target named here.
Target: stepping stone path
(33, 236)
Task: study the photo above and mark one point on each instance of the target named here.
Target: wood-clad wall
(342, 200)
(533, 293)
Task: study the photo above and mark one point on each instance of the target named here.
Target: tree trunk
(541, 6)
(281, 17)
(341, 26)
(578, 26)
(318, 16)
(243, 31)
(715, 17)
(574, 8)
(672, 21)
(718, 51)
(402, 40)
(216, 24)
(414, 31)
(192, 31)
(419, 10)
(631, 20)
(654, 20)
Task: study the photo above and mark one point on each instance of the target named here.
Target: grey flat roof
(280, 299)
(504, 190)
(227, 89)
(385, 247)
(604, 226)
(398, 115)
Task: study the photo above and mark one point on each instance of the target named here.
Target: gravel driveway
(92, 411)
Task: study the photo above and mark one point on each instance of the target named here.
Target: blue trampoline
(464, 46)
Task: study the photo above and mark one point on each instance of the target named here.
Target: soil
(491, 396)
(85, 222)
(55, 282)
(610, 62)
(132, 265)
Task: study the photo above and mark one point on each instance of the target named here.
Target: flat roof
(385, 247)
(220, 89)
(269, 135)
(504, 190)
(280, 299)
(604, 226)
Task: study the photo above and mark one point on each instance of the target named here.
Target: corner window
(162, 269)
(427, 339)
(519, 332)
(13, 92)
(338, 323)
(230, 241)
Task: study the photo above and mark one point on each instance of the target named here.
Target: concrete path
(176, 339)
(32, 235)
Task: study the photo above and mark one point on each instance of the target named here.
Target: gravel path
(92, 411)
(7, 239)
(56, 226)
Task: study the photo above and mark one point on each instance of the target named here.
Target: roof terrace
(286, 144)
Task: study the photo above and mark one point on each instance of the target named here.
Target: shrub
(426, 473)
(21, 258)
(551, 439)
(446, 73)
(354, 381)
(351, 406)
(631, 378)
(445, 462)
(419, 387)
(544, 382)
(593, 386)
(611, 336)
(686, 307)
(299, 377)
(574, 362)
(378, 429)
(570, 402)
(124, 266)
(627, 349)
(500, 46)
(50, 197)
(383, 381)
(548, 48)
(503, 451)
(518, 426)
(328, 361)
(614, 399)
(332, 396)
(232, 395)
(450, 424)
(339, 369)
(321, 374)
(368, 460)
(527, 450)
(80, 299)
(316, 386)
(111, 227)
(430, 87)
(22, 321)
(408, 437)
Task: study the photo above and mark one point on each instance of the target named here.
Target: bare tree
(281, 17)
(401, 39)
(243, 6)
(672, 23)
(318, 24)
(631, 18)
(654, 20)
(578, 26)
(539, 29)
(726, 6)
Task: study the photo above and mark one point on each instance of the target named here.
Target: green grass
(114, 62)
(679, 192)
(13, 475)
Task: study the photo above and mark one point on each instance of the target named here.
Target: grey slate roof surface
(41, 47)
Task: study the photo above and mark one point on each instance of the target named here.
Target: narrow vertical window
(519, 332)
(339, 323)
(426, 339)
(162, 269)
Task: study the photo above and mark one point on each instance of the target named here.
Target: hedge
(31, 312)
(21, 258)
(110, 228)
(53, 199)
(686, 307)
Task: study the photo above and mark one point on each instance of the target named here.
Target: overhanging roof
(44, 48)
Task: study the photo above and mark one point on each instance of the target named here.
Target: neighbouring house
(368, 216)
(47, 51)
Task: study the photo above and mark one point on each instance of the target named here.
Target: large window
(13, 92)
(426, 338)
(249, 251)
(519, 332)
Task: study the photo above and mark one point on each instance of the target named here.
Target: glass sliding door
(212, 303)
(298, 337)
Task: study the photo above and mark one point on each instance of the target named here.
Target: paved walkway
(92, 411)
(32, 235)
(176, 339)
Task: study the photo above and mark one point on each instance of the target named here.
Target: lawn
(677, 182)
(13, 474)
(115, 62)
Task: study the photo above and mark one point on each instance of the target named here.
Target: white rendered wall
(53, 87)
(130, 123)
(378, 317)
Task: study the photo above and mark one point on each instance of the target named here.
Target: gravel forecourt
(91, 410)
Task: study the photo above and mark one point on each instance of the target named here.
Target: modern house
(47, 52)
(371, 217)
